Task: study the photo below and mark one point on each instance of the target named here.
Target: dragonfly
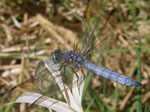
(80, 60)
(76, 61)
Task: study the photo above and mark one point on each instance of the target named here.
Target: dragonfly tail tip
(140, 85)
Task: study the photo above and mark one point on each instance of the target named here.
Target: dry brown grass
(31, 30)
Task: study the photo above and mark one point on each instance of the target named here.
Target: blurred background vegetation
(31, 29)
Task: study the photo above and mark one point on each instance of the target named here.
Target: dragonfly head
(56, 56)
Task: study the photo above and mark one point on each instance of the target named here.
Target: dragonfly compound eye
(53, 57)
(56, 56)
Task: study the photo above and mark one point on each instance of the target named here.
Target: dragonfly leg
(75, 70)
(78, 85)
(59, 68)
(76, 75)
(63, 73)
(62, 65)
(84, 75)
(63, 78)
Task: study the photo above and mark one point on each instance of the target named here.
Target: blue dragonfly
(78, 60)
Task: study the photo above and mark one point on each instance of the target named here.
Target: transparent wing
(49, 81)
(43, 82)
(90, 40)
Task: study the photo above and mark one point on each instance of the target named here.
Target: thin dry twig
(125, 101)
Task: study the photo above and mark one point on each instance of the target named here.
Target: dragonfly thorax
(72, 57)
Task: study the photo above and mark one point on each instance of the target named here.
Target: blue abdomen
(108, 74)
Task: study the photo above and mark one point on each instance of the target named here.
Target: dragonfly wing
(64, 80)
(44, 83)
(90, 40)
(49, 81)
